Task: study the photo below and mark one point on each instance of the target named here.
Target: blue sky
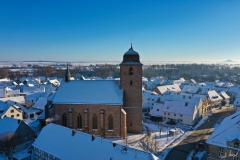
(94, 30)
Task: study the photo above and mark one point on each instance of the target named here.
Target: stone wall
(87, 125)
(132, 86)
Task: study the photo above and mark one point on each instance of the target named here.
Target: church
(108, 108)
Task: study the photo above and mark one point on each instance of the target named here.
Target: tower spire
(67, 75)
(131, 47)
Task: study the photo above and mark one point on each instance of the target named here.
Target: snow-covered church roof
(89, 92)
(64, 143)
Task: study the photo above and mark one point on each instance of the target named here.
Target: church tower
(131, 83)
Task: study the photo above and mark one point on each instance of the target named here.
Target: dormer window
(130, 71)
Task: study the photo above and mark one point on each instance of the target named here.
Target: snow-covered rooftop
(174, 88)
(8, 125)
(190, 89)
(214, 96)
(89, 92)
(18, 99)
(41, 103)
(224, 94)
(179, 107)
(56, 140)
(227, 130)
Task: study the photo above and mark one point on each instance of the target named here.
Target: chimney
(73, 132)
(186, 103)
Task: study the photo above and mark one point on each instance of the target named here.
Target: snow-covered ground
(159, 143)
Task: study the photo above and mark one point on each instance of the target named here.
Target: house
(181, 112)
(191, 89)
(150, 85)
(76, 145)
(9, 92)
(179, 81)
(236, 103)
(225, 98)
(24, 133)
(215, 99)
(149, 98)
(156, 111)
(186, 98)
(225, 139)
(8, 110)
(205, 102)
(232, 92)
(14, 100)
(168, 89)
(32, 98)
(40, 103)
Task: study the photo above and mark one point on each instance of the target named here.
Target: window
(12, 111)
(64, 120)
(164, 117)
(174, 114)
(110, 122)
(164, 113)
(31, 115)
(79, 121)
(180, 120)
(12, 116)
(17, 115)
(181, 115)
(168, 113)
(236, 144)
(131, 125)
(94, 121)
(130, 71)
(220, 152)
(157, 109)
(130, 83)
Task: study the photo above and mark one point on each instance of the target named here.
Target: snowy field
(87, 63)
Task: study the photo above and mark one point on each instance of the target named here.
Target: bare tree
(8, 143)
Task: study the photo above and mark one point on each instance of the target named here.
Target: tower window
(130, 83)
(130, 71)
(64, 120)
(110, 122)
(94, 121)
(131, 125)
(79, 120)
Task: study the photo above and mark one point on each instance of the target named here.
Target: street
(181, 151)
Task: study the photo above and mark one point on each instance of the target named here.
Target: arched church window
(130, 83)
(130, 71)
(64, 120)
(110, 122)
(94, 121)
(79, 121)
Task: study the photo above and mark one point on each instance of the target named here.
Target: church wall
(114, 110)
